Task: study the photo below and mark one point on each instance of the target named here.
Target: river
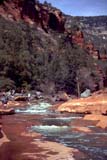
(51, 126)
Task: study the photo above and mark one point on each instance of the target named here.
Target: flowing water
(60, 128)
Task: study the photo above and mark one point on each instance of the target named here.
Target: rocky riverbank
(95, 105)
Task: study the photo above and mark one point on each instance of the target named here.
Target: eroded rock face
(30, 9)
(33, 12)
(10, 10)
(78, 38)
(44, 16)
(90, 48)
(57, 20)
(75, 37)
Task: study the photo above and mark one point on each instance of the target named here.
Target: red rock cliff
(33, 12)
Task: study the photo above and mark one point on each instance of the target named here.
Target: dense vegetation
(32, 59)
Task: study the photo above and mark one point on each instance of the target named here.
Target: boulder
(7, 111)
(86, 93)
(101, 120)
(62, 96)
(14, 104)
(21, 98)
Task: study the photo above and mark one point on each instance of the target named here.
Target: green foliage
(30, 57)
(6, 83)
(69, 62)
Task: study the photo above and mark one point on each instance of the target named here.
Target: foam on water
(50, 129)
(35, 109)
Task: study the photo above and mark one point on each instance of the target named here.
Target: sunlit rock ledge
(96, 105)
(7, 111)
(101, 120)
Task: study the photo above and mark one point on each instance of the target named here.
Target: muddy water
(52, 126)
